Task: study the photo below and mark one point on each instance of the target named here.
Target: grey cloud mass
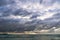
(26, 15)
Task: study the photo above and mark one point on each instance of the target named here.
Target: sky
(23, 15)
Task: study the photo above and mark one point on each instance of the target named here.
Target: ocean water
(30, 37)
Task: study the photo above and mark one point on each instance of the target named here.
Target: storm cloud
(24, 14)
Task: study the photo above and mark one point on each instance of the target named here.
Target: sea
(29, 36)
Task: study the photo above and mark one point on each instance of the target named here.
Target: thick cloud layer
(28, 14)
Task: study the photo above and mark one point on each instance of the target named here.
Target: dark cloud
(14, 16)
(34, 16)
(21, 12)
(6, 2)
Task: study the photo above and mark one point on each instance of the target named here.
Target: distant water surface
(30, 37)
